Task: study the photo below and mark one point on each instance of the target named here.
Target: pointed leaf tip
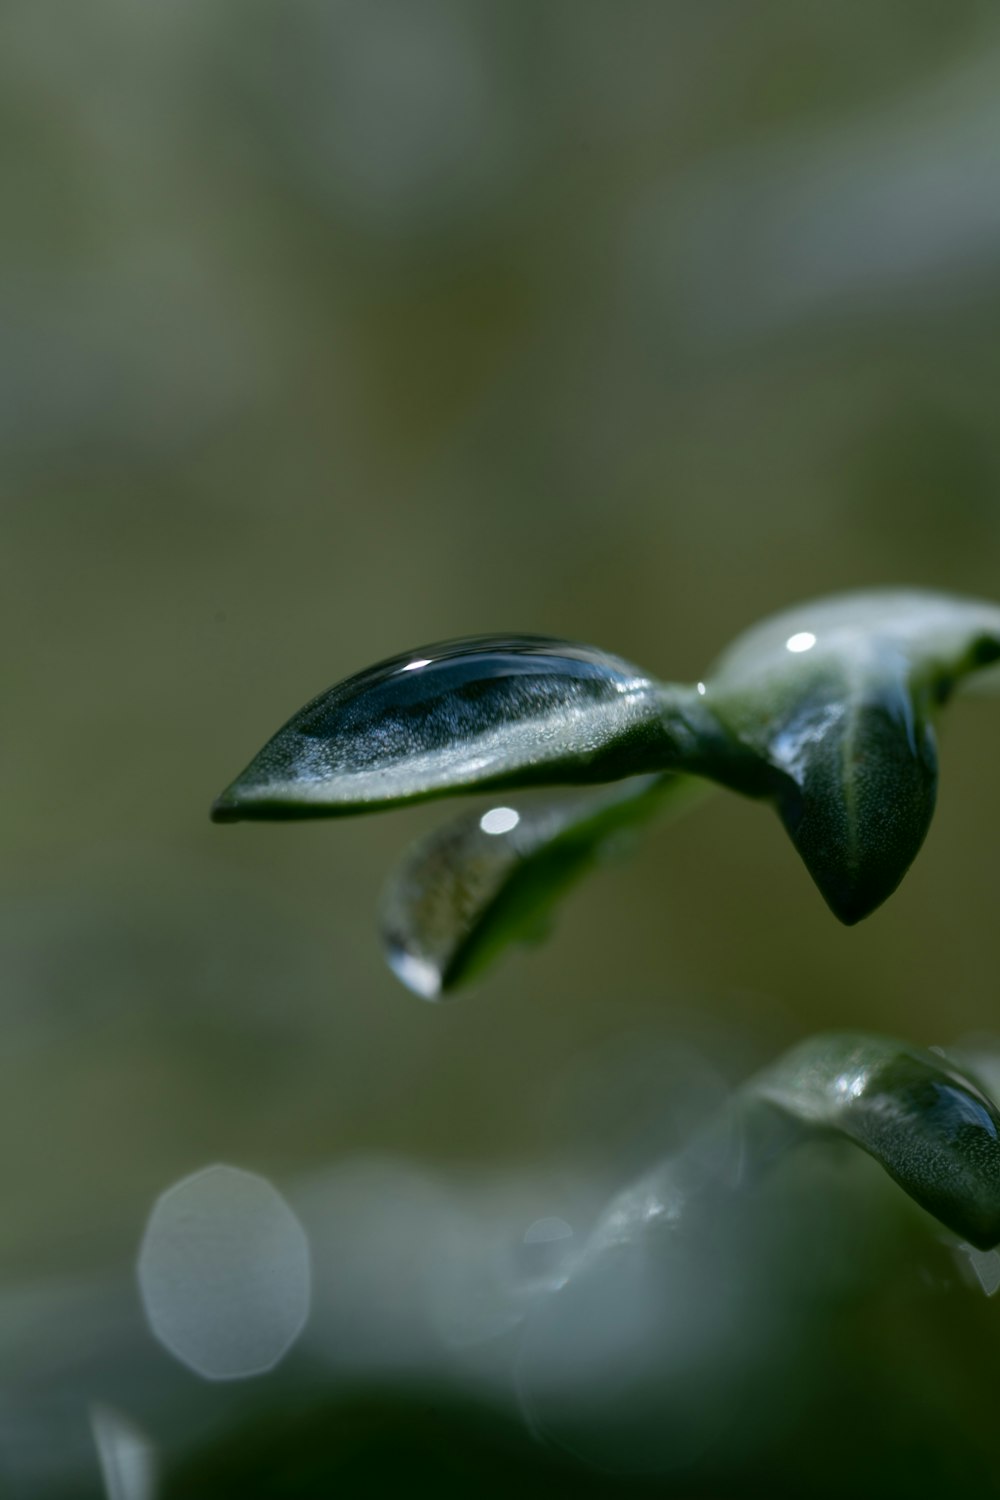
(489, 711)
(224, 810)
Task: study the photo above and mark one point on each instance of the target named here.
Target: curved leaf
(836, 696)
(490, 711)
(926, 1121)
(695, 1286)
(488, 879)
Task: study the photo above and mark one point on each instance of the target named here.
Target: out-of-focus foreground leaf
(925, 1120)
(928, 1122)
(696, 1310)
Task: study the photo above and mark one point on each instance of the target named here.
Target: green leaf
(487, 879)
(926, 1121)
(491, 711)
(836, 696)
(826, 710)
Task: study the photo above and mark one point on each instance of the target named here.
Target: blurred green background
(332, 329)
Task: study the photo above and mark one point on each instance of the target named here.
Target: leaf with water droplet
(491, 711)
(837, 697)
(490, 878)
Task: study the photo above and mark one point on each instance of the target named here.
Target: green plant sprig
(826, 711)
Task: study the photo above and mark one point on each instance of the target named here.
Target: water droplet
(224, 1273)
(418, 974)
(478, 711)
(803, 640)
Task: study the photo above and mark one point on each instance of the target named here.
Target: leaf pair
(826, 711)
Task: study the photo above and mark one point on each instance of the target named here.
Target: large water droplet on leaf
(484, 712)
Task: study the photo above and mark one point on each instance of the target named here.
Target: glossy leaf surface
(826, 710)
(491, 711)
(487, 879)
(925, 1120)
(836, 696)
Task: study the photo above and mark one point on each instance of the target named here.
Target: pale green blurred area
(333, 329)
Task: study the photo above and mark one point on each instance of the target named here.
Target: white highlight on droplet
(702, 689)
(803, 640)
(125, 1454)
(224, 1273)
(499, 820)
(418, 974)
(411, 666)
(544, 1231)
